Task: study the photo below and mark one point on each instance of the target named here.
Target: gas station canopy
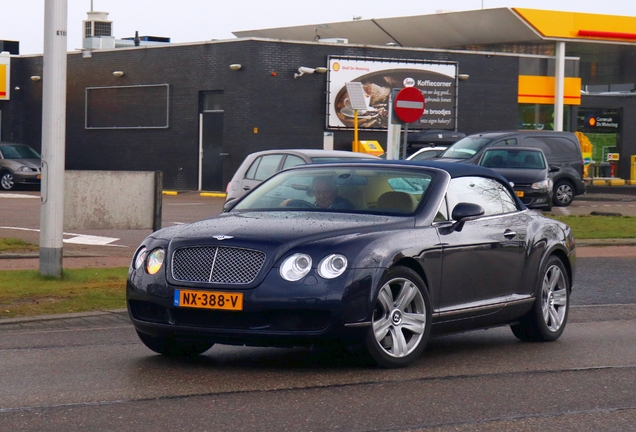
(605, 44)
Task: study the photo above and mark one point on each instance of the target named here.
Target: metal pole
(405, 142)
(559, 82)
(53, 137)
(355, 147)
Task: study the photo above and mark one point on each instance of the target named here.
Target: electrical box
(370, 147)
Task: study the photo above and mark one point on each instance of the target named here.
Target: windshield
(341, 189)
(465, 147)
(18, 152)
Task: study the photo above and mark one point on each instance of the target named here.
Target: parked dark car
(561, 149)
(422, 248)
(260, 165)
(526, 169)
(19, 165)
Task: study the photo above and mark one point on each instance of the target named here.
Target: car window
(18, 152)
(485, 192)
(555, 147)
(292, 160)
(508, 202)
(512, 158)
(252, 169)
(465, 147)
(324, 159)
(267, 166)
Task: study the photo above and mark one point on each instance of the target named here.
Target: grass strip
(600, 227)
(16, 245)
(27, 293)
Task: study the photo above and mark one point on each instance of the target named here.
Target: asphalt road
(94, 374)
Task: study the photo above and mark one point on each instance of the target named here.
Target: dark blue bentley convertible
(372, 256)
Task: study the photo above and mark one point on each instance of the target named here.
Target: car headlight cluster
(152, 261)
(543, 184)
(24, 169)
(297, 266)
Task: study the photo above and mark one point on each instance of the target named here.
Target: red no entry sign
(409, 104)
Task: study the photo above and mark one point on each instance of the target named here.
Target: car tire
(563, 193)
(401, 321)
(171, 347)
(548, 317)
(6, 181)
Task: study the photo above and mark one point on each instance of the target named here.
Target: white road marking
(92, 240)
(18, 196)
(77, 238)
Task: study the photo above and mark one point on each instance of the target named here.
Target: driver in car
(326, 193)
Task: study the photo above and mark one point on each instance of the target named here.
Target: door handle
(224, 154)
(246, 188)
(509, 234)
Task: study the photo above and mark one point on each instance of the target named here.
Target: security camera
(304, 70)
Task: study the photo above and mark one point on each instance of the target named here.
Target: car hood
(31, 163)
(281, 227)
(522, 176)
(275, 233)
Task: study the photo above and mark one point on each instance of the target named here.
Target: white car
(427, 153)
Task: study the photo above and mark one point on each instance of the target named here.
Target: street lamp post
(53, 137)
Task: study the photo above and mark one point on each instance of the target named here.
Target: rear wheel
(546, 321)
(563, 193)
(168, 346)
(401, 321)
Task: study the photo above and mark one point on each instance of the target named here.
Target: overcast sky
(200, 20)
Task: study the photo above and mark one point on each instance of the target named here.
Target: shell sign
(5, 73)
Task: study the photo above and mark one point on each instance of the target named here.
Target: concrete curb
(6, 321)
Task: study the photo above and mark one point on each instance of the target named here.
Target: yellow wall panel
(4, 84)
(540, 90)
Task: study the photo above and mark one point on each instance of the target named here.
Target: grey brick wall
(288, 112)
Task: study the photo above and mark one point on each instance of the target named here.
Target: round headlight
(295, 267)
(332, 266)
(155, 261)
(140, 257)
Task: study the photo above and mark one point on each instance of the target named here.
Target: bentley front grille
(222, 265)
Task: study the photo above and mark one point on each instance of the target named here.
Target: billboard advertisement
(436, 80)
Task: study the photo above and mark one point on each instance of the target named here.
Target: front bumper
(27, 178)
(533, 198)
(312, 311)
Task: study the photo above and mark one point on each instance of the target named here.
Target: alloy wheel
(399, 320)
(554, 300)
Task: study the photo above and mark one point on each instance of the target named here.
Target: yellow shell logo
(336, 67)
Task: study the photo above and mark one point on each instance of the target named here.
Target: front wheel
(6, 181)
(546, 321)
(563, 193)
(171, 347)
(401, 321)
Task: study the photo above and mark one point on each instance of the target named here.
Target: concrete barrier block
(112, 200)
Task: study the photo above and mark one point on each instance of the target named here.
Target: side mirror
(554, 168)
(229, 205)
(465, 211)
